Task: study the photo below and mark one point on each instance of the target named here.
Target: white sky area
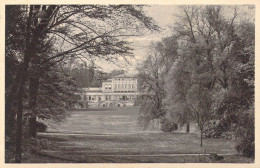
(163, 16)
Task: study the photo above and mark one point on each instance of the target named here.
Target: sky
(163, 16)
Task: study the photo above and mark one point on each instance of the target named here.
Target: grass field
(102, 121)
(113, 135)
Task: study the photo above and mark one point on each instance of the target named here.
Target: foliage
(116, 72)
(237, 107)
(57, 97)
(167, 125)
(14, 40)
(246, 134)
(213, 129)
(83, 74)
(41, 127)
(150, 109)
(177, 84)
(88, 75)
(210, 78)
(152, 73)
(151, 82)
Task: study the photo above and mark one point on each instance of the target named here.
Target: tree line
(204, 73)
(41, 42)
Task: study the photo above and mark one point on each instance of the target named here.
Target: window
(89, 98)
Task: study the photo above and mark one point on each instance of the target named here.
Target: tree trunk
(10, 111)
(32, 40)
(37, 41)
(33, 94)
(201, 132)
(24, 73)
(19, 122)
(19, 125)
(188, 127)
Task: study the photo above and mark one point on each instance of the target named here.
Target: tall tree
(14, 47)
(152, 74)
(206, 37)
(236, 110)
(178, 81)
(151, 83)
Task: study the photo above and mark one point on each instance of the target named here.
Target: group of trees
(204, 73)
(88, 75)
(42, 41)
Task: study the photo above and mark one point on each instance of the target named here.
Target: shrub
(247, 147)
(246, 135)
(168, 126)
(41, 127)
(218, 129)
(212, 129)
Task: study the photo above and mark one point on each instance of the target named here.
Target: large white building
(118, 91)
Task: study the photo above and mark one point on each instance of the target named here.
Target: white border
(129, 165)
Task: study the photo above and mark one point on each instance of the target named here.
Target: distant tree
(151, 84)
(178, 81)
(117, 72)
(152, 74)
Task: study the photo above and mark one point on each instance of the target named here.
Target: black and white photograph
(129, 83)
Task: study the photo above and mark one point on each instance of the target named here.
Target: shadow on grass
(136, 148)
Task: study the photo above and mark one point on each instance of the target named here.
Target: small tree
(200, 102)
(151, 84)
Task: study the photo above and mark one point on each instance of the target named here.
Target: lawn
(113, 135)
(102, 121)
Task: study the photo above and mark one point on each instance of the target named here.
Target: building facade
(119, 91)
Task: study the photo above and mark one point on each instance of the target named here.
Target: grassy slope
(114, 136)
(104, 121)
